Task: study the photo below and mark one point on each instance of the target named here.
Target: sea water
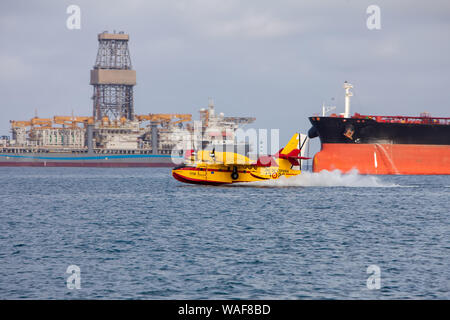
(140, 234)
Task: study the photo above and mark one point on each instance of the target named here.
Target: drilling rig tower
(113, 78)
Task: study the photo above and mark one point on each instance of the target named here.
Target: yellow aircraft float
(216, 168)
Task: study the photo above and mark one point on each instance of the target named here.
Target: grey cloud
(276, 60)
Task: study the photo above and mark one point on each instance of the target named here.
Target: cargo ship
(115, 136)
(388, 145)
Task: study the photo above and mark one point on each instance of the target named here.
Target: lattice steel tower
(112, 78)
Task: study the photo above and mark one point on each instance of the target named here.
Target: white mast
(326, 109)
(348, 94)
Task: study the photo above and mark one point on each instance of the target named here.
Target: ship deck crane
(165, 118)
(42, 122)
(20, 124)
(72, 121)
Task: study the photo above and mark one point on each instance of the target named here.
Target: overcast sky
(275, 60)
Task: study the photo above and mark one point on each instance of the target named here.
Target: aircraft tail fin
(290, 154)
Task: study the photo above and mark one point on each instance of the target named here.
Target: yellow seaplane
(217, 168)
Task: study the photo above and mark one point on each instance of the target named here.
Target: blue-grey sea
(140, 234)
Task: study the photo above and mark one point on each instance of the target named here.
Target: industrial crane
(20, 124)
(72, 121)
(165, 118)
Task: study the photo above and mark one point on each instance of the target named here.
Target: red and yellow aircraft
(218, 168)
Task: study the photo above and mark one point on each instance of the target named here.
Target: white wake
(324, 179)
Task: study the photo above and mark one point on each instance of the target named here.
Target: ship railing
(24, 149)
(131, 151)
(27, 149)
(406, 119)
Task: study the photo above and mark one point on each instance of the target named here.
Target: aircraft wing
(225, 158)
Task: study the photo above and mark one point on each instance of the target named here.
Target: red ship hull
(408, 159)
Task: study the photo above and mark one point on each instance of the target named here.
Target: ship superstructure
(217, 131)
(114, 135)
